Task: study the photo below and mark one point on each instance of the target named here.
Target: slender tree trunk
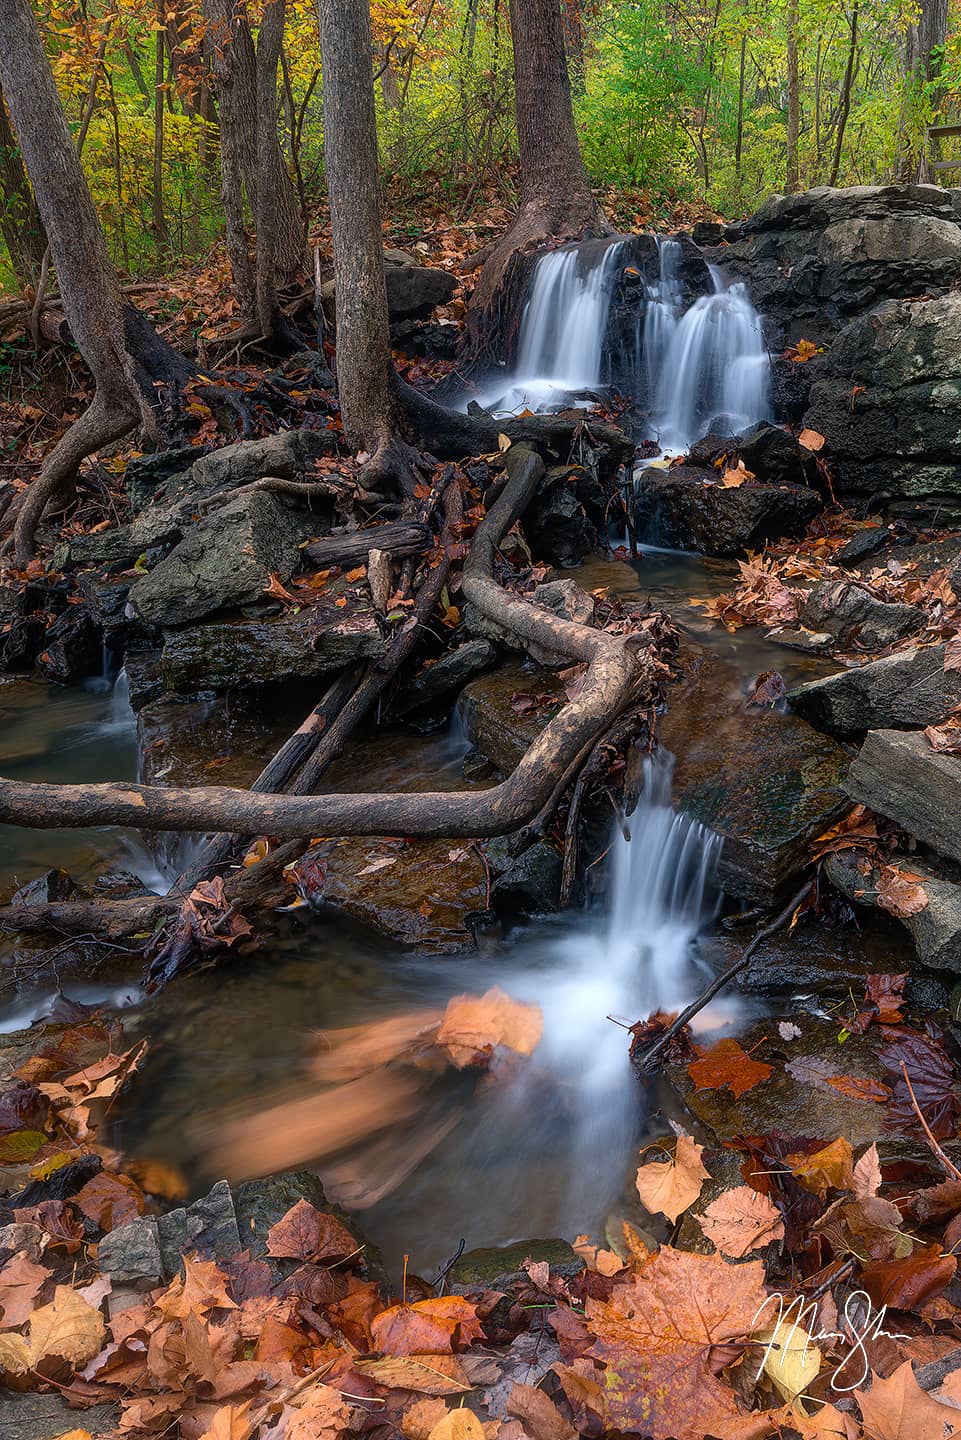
(88, 282)
(845, 95)
(739, 142)
(365, 372)
(792, 177)
(556, 202)
(20, 222)
(157, 198)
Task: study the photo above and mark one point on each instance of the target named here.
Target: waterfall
(707, 368)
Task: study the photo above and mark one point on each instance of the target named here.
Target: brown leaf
(202, 1287)
(741, 1220)
(231, 1422)
(727, 1065)
(306, 1233)
(322, 1414)
(428, 1327)
(475, 1025)
(900, 892)
(460, 1424)
(427, 1374)
(811, 440)
(670, 1186)
(419, 1419)
(20, 1283)
(898, 1409)
(952, 654)
(68, 1328)
(538, 1414)
(867, 1174)
(769, 689)
(655, 1336)
(110, 1200)
(909, 1284)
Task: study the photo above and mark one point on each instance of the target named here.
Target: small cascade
(657, 322)
(709, 367)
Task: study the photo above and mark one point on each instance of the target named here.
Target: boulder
(208, 1227)
(225, 560)
(774, 456)
(887, 398)
(220, 656)
(156, 530)
(556, 523)
(130, 1255)
(451, 672)
(21, 642)
(898, 774)
(413, 291)
(421, 894)
(687, 508)
(72, 648)
(909, 688)
(856, 619)
(260, 1204)
(862, 545)
(289, 454)
(935, 931)
(504, 712)
(525, 884)
(498, 1267)
(766, 783)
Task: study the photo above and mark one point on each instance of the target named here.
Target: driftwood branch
(618, 670)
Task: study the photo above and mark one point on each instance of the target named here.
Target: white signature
(861, 1323)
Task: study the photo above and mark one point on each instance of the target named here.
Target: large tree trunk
(365, 372)
(792, 176)
(922, 65)
(20, 222)
(556, 202)
(245, 77)
(89, 287)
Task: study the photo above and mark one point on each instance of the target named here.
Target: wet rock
(413, 291)
(556, 523)
(54, 885)
(815, 959)
(451, 672)
(773, 455)
(935, 931)
(888, 400)
(688, 509)
(29, 1416)
(260, 1204)
(766, 783)
(72, 648)
(525, 884)
(420, 893)
(21, 643)
(910, 688)
(223, 561)
(216, 656)
(498, 1267)
(130, 1255)
(497, 715)
(862, 545)
(797, 1097)
(856, 618)
(899, 775)
(808, 642)
(145, 680)
(208, 1226)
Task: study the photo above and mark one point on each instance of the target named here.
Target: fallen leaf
(110, 1200)
(898, 1409)
(202, 1287)
(475, 1025)
(460, 1424)
(428, 1327)
(791, 1359)
(670, 1186)
(322, 1414)
(741, 1220)
(900, 892)
(537, 1413)
(811, 440)
(932, 1079)
(68, 1328)
(20, 1283)
(726, 1065)
(306, 1233)
(831, 1168)
(428, 1374)
(769, 690)
(908, 1284)
(867, 1174)
(231, 1422)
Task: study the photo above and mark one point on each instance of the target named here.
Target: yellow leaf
(68, 1327)
(458, 1425)
(811, 440)
(14, 1355)
(791, 1359)
(503, 442)
(670, 1186)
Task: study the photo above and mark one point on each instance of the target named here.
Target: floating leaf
(727, 1066)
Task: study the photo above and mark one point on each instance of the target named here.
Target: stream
(549, 1153)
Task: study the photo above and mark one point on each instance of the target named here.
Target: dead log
(347, 548)
(618, 669)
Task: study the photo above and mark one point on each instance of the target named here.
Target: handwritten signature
(860, 1320)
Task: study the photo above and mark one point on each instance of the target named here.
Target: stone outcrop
(224, 561)
(898, 774)
(910, 688)
(687, 508)
(856, 619)
(935, 931)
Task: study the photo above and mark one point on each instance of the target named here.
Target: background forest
(679, 104)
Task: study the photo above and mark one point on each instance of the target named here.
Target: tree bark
(556, 202)
(845, 95)
(618, 670)
(922, 65)
(365, 371)
(792, 175)
(88, 282)
(20, 222)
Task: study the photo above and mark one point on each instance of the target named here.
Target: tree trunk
(89, 287)
(922, 65)
(20, 222)
(159, 92)
(845, 96)
(365, 372)
(792, 177)
(556, 202)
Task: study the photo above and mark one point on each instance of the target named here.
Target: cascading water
(707, 368)
(561, 337)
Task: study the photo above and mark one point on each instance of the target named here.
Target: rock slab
(909, 688)
(898, 774)
(687, 509)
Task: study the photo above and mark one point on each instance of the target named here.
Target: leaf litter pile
(812, 1293)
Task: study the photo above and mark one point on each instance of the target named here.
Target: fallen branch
(617, 671)
(646, 1060)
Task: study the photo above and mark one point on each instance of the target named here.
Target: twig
(935, 1148)
(661, 1043)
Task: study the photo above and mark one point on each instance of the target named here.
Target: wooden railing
(937, 133)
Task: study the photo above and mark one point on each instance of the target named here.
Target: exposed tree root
(618, 670)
